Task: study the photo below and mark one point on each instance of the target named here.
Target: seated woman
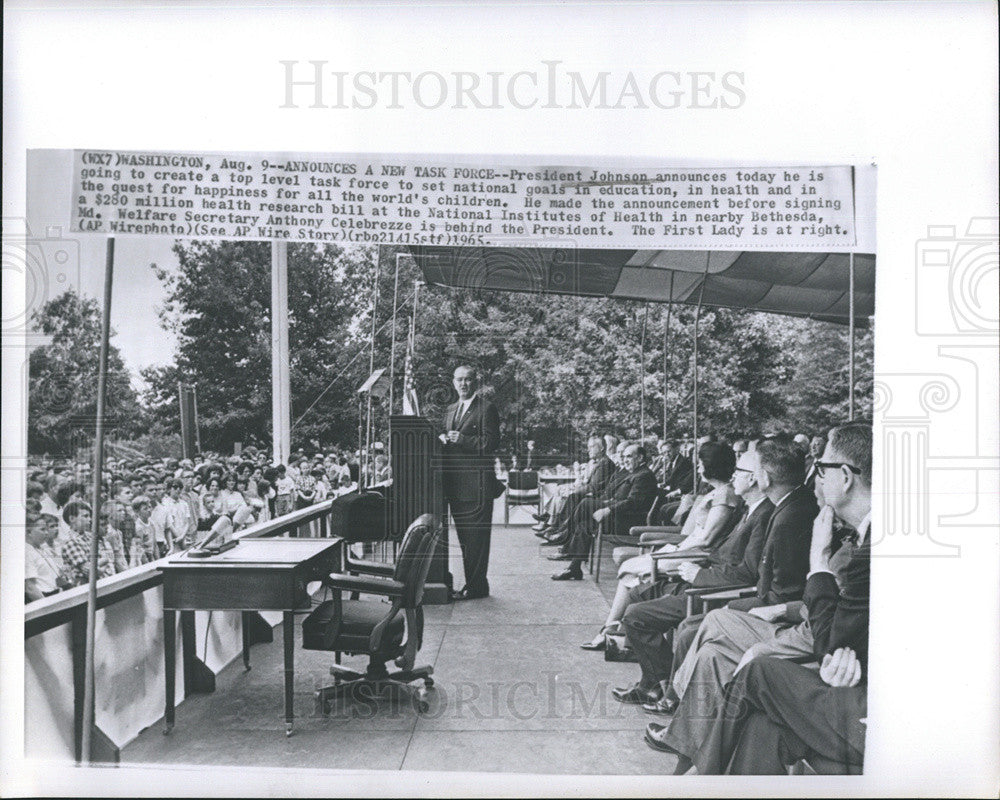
(711, 517)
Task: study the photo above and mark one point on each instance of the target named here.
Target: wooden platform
(514, 692)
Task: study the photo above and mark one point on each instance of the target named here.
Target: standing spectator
(76, 549)
(284, 492)
(44, 572)
(144, 547)
(210, 506)
(180, 523)
(112, 535)
(305, 489)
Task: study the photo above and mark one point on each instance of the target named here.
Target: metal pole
(667, 354)
(850, 338)
(366, 453)
(694, 414)
(102, 386)
(642, 375)
(392, 346)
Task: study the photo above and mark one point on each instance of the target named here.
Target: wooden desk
(256, 575)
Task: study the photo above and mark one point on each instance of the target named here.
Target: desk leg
(288, 625)
(169, 666)
(245, 629)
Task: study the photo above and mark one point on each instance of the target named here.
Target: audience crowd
(152, 508)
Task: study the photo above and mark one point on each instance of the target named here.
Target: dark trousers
(776, 712)
(473, 520)
(647, 623)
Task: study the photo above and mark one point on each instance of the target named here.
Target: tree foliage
(560, 367)
(63, 377)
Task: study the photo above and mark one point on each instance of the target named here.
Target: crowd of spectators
(745, 604)
(151, 508)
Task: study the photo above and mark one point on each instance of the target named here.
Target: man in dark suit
(656, 609)
(624, 503)
(776, 711)
(602, 469)
(676, 475)
(472, 433)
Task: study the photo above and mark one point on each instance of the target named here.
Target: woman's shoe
(598, 642)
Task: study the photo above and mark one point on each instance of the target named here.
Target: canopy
(801, 284)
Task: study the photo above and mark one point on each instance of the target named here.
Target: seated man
(734, 560)
(624, 503)
(775, 711)
(726, 641)
(601, 470)
(778, 468)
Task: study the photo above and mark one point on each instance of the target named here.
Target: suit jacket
(629, 496)
(677, 474)
(599, 477)
(785, 560)
(839, 618)
(737, 559)
(467, 465)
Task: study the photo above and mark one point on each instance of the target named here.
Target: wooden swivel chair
(382, 631)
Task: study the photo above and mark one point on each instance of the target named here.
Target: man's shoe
(559, 557)
(559, 542)
(540, 529)
(634, 695)
(665, 705)
(543, 517)
(569, 575)
(654, 738)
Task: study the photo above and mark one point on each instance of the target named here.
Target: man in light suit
(469, 442)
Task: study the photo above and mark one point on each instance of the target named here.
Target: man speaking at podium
(472, 433)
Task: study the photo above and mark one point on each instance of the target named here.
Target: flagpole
(102, 385)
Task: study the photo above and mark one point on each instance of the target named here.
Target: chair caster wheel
(421, 701)
(428, 682)
(288, 729)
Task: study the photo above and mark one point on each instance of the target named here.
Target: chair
(631, 539)
(522, 490)
(382, 631)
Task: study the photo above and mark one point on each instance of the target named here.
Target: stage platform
(514, 692)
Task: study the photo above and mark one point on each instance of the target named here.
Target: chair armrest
(698, 596)
(657, 534)
(688, 554)
(371, 568)
(368, 585)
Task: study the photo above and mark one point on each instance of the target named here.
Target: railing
(50, 661)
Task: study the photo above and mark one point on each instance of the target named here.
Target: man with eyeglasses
(776, 711)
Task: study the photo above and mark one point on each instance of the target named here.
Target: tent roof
(803, 284)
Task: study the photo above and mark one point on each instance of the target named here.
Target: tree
(218, 306)
(62, 379)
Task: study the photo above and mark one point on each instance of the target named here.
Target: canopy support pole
(281, 390)
(392, 345)
(850, 338)
(95, 528)
(694, 414)
(369, 433)
(667, 354)
(642, 374)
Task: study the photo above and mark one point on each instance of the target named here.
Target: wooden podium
(416, 489)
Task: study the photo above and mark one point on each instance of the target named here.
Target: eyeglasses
(822, 466)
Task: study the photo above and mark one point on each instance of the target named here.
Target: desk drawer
(208, 588)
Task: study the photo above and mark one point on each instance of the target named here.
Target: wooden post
(281, 391)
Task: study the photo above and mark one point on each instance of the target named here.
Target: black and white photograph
(506, 469)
